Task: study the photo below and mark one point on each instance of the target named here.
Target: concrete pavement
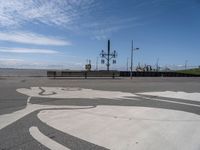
(143, 113)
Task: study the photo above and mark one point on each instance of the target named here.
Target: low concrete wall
(103, 74)
(84, 74)
(72, 74)
(65, 73)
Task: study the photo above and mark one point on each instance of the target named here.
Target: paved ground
(143, 113)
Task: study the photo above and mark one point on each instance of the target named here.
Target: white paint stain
(120, 127)
(61, 92)
(44, 140)
(172, 94)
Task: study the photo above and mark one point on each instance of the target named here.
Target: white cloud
(27, 50)
(32, 38)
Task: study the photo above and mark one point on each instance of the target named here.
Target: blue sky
(65, 33)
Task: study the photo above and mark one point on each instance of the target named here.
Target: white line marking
(177, 94)
(44, 140)
(162, 100)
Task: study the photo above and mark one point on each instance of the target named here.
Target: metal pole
(127, 64)
(97, 61)
(157, 66)
(131, 73)
(108, 60)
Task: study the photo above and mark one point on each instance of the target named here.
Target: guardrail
(85, 74)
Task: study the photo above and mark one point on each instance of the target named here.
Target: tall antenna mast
(108, 56)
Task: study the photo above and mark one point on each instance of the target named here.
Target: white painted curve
(45, 140)
(123, 127)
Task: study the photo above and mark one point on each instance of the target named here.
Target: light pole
(132, 49)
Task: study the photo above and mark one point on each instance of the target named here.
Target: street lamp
(132, 49)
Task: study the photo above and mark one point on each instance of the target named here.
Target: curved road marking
(7, 119)
(67, 93)
(43, 91)
(44, 140)
(123, 127)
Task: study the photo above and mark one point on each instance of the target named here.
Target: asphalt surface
(17, 136)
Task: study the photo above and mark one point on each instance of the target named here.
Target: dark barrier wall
(155, 74)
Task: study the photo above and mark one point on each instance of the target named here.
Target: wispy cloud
(30, 64)
(17, 12)
(19, 63)
(27, 50)
(11, 59)
(85, 16)
(8, 62)
(102, 30)
(32, 38)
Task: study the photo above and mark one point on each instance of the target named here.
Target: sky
(64, 34)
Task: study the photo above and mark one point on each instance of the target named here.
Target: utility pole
(108, 56)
